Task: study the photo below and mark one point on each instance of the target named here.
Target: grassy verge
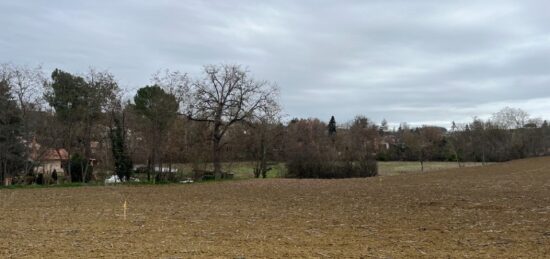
(245, 170)
(403, 167)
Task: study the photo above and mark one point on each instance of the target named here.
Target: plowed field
(498, 211)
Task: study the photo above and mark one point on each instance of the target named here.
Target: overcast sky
(417, 61)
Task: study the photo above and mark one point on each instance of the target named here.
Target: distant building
(50, 160)
(47, 160)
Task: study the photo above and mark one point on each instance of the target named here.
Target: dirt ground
(498, 211)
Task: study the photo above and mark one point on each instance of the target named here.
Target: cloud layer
(416, 61)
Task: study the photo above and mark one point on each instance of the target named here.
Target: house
(46, 160)
(387, 141)
(49, 160)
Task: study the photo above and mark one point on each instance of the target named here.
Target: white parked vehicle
(116, 179)
(188, 180)
(112, 179)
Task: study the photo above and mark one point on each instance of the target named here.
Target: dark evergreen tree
(332, 127)
(40, 179)
(384, 126)
(160, 109)
(123, 162)
(12, 150)
(79, 168)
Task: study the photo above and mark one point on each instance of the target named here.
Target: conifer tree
(12, 150)
(123, 162)
(332, 127)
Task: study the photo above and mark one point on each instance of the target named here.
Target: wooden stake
(125, 206)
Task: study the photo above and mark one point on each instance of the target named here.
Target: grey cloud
(418, 61)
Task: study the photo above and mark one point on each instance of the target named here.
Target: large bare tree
(265, 130)
(175, 83)
(510, 118)
(225, 96)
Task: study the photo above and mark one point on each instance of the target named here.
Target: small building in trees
(48, 160)
(387, 141)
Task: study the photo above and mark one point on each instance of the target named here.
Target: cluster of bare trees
(506, 135)
(314, 149)
(223, 115)
(19, 99)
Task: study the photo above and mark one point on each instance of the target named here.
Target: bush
(304, 168)
(367, 168)
(166, 177)
(54, 176)
(78, 165)
(40, 179)
(383, 156)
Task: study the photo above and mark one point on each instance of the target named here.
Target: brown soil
(497, 211)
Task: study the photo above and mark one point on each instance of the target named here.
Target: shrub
(80, 168)
(166, 177)
(304, 168)
(54, 176)
(367, 168)
(40, 179)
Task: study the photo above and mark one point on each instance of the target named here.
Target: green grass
(20, 186)
(244, 170)
(402, 167)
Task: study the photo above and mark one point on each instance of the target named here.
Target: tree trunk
(87, 149)
(457, 159)
(422, 161)
(216, 158)
(483, 156)
(68, 147)
(3, 168)
(83, 168)
(161, 172)
(216, 149)
(263, 162)
(149, 169)
(257, 169)
(153, 164)
(68, 175)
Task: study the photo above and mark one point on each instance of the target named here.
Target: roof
(52, 154)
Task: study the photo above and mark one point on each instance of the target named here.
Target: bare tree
(175, 83)
(510, 118)
(225, 96)
(25, 84)
(422, 142)
(364, 136)
(264, 133)
(456, 141)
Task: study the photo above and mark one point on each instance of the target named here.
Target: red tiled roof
(53, 154)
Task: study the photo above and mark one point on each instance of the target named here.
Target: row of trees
(172, 119)
(224, 115)
(506, 135)
(509, 134)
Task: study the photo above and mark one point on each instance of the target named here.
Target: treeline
(508, 134)
(223, 115)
